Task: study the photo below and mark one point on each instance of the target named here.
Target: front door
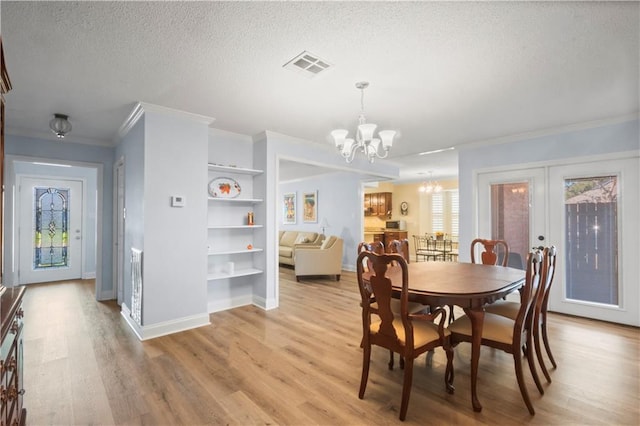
(50, 229)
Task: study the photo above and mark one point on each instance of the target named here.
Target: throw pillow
(301, 239)
(326, 243)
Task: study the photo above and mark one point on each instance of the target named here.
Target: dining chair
(426, 248)
(407, 334)
(494, 251)
(510, 309)
(400, 247)
(510, 335)
(413, 307)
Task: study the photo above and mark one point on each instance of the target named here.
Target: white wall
(175, 163)
(165, 154)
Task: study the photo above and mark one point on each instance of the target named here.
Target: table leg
(476, 315)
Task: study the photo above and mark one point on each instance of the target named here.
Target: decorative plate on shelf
(224, 187)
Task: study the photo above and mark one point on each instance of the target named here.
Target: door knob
(540, 237)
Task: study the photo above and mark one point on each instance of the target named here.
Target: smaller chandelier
(60, 125)
(430, 186)
(364, 142)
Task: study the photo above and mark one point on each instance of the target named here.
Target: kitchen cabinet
(377, 204)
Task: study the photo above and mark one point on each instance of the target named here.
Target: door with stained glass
(50, 229)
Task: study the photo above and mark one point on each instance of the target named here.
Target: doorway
(50, 229)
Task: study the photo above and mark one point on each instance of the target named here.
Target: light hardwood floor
(297, 365)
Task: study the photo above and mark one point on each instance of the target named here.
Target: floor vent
(308, 64)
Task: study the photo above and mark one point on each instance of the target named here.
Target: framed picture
(310, 212)
(289, 209)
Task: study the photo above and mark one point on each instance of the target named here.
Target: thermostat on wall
(177, 201)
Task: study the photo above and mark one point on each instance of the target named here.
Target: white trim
(89, 275)
(163, 328)
(141, 107)
(230, 303)
(10, 179)
(266, 304)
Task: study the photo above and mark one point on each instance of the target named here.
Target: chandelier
(364, 142)
(430, 186)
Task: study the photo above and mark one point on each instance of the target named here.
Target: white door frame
(632, 241)
(11, 211)
(119, 190)
(628, 236)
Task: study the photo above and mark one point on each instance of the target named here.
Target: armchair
(325, 259)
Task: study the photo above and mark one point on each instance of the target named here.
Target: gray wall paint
(619, 137)
(338, 201)
(175, 243)
(55, 150)
(131, 148)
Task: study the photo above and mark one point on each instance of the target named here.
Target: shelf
(236, 200)
(238, 273)
(217, 253)
(233, 226)
(239, 170)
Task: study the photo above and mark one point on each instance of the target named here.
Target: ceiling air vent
(308, 64)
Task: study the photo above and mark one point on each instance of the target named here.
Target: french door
(589, 212)
(594, 219)
(50, 229)
(512, 208)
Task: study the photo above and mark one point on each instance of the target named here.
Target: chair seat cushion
(495, 328)
(423, 331)
(504, 308)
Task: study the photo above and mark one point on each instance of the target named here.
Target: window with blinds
(445, 212)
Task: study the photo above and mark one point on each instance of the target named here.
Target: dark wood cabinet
(12, 411)
(377, 204)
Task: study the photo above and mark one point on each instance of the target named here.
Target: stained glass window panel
(51, 227)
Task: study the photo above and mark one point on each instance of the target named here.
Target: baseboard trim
(152, 331)
(234, 302)
(89, 275)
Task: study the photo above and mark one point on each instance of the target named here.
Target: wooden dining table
(467, 285)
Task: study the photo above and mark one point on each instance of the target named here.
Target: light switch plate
(177, 201)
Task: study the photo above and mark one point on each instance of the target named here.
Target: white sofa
(325, 259)
(290, 241)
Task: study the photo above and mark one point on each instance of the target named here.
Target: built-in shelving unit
(231, 249)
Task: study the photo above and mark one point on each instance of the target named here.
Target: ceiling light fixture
(364, 142)
(60, 125)
(430, 186)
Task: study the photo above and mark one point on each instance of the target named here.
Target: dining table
(467, 285)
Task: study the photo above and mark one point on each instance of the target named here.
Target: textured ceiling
(442, 73)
